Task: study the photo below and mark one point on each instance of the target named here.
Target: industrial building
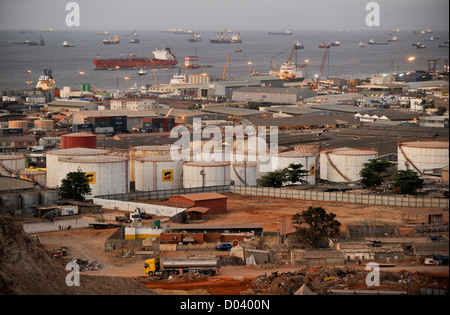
(216, 203)
(271, 95)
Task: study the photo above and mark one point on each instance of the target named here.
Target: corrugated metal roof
(203, 196)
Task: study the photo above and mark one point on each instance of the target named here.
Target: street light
(117, 68)
(126, 82)
(278, 233)
(249, 67)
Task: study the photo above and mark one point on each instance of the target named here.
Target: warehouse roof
(304, 121)
(203, 196)
(118, 112)
(276, 90)
(237, 111)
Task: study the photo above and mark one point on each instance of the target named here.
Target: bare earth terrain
(90, 244)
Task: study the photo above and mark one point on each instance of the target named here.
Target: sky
(221, 14)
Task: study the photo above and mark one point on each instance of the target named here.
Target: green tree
(441, 111)
(273, 179)
(372, 173)
(315, 225)
(407, 182)
(75, 186)
(295, 173)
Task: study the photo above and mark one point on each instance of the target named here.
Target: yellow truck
(154, 267)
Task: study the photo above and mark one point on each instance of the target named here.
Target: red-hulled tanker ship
(163, 58)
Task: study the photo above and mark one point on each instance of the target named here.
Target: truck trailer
(154, 267)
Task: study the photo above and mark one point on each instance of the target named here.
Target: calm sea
(347, 60)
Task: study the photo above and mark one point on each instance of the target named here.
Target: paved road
(56, 225)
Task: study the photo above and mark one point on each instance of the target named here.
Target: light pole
(278, 233)
(117, 68)
(126, 82)
(249, 68)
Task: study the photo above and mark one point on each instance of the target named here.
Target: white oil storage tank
(343, 165)
(146, 151)
(28, 200)
(202, 174)
(157, 173)
(54, 173)
(11, 164)
(244, 173)
(423, 156)
(107, 174)
(307, 159)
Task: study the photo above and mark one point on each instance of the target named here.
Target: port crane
(286, 71)
(157, 96)
(325, 55)
(226, 66)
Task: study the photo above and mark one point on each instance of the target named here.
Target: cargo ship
(288, 32)
(163, 58)
(221, 38)
(114, 40)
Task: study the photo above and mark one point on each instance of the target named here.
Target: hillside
(27, 269)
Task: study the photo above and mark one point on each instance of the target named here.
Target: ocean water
(21, 63)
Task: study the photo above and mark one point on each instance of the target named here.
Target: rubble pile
(321, 280)
(231, 261)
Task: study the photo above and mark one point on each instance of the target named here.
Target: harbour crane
(157, 96)
(323, 62)
(226, 65)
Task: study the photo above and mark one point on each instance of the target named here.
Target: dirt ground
(90, 244)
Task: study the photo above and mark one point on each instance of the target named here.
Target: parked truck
(129, 217)
(154, 267)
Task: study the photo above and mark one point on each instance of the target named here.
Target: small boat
(238, 50)
(67, 44)
(114, 40)
(373, 42)
(288, 32)
(444, 45)
(299, 45)
(39, 43)
(323, 45)
(335, 43)
(142, 72)
(195, 38)
(134, 40)
(393, 39)
(421, 46)
(102, 33)
(361, 44)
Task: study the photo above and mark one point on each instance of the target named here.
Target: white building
(382, 79)
(131, 104)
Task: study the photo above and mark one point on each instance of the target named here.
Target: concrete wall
(131, 206)
(347, 197)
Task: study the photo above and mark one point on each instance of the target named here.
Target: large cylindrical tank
(11, 163)
(54, 175)
(107, 174)
(10, 203)
(199, 174)
(146, 151)
(18, 124)
(244, 173)
(45, 124)
(307, 159)
(48, 197)
(79, 140)
(28, 200)
(422, 156)
(343, 165)
(181, 263)
(157, 173)
(39, 177)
